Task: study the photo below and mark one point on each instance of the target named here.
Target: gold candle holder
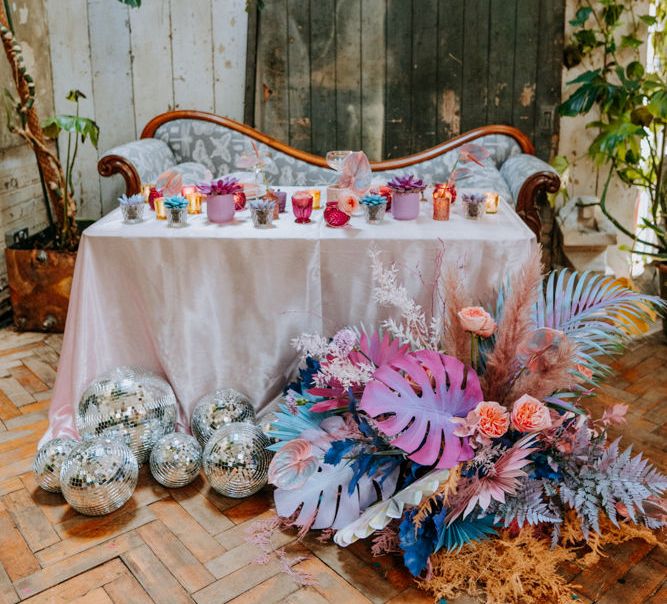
(160, 213)
(316, 193)
(441, 206)
(194, 202)
(491, 202)
(146, 191)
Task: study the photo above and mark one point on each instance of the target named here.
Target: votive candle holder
(160, 214)
(492, 201)
(316, 193)
(302, 206)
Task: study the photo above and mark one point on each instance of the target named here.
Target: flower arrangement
(222, 186)
(460, 440)
(175, 202)
(262, 212)
(132, 200)
(474, 205)
(348, 203)
(375, 206)
(406, 184)
(372, 199)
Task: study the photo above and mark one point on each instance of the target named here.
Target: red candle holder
(302, 206)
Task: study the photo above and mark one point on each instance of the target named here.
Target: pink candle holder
(302, 206)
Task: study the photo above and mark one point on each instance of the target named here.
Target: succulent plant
(406, 184)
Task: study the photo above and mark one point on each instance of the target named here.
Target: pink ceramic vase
(220, 208)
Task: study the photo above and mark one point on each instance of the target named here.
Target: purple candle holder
(302, 206)
(282, 200)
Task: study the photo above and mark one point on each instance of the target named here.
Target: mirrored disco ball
(48, 461)
(176, 459)
(130, 402)
(236, 461)
(218, 409)
(99, 476)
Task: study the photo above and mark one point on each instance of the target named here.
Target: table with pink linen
(211, 306)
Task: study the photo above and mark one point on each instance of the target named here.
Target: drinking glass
(335, 159)
(302, 206)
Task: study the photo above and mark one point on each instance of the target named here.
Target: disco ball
(176, 460)
(218, 409)
(99, 476)
(48, 461)
(129, 402)
(236, 460)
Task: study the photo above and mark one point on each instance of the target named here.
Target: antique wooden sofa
(200, 144)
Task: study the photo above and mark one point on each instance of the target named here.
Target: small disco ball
(218, 409)
(176, 460)
(99, 476)
(133, 403)
(236, 460)
(48, 461)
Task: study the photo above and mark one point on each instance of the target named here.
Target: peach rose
(530, 415)
(476, 320)
(493, 419)
(348, 203)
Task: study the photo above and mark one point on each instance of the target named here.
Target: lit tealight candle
(188, 189)
(316, 193)
(146, 191)
(491, 201)
(160, 213)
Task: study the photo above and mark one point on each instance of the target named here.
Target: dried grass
(456, 340)
(514, 327)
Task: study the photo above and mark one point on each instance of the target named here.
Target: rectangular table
(211, 306)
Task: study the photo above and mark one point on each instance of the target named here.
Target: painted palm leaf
(287, 425)
(414, 402)
(454, 536)
(324, 501)
(593, 311)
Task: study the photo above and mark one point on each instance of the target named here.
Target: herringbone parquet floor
(171, 546)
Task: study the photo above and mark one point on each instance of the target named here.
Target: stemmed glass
(335, 159)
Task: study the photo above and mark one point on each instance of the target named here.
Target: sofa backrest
(220, 148)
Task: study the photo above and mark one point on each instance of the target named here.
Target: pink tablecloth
(212, 306)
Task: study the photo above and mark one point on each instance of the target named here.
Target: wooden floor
(190, 544)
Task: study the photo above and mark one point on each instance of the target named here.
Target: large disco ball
(236, 459)
(218, 409)
(176, 460)
(133, 403)
(49, 460)
(99, 476)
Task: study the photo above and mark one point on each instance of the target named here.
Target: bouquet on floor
(460, 441)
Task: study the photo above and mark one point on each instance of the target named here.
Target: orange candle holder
(146, 191)
(491, 202)
(194, 202)
(442, 201)
(316, 193)
(160, 213)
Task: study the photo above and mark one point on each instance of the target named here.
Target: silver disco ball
(99, 476)
(236, 460)
(135, 404)
(218, 409)
(176, 460)
(48, 461)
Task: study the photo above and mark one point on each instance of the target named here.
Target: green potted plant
(40, 269)
(631, 104)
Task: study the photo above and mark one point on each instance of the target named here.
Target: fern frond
(528, 506)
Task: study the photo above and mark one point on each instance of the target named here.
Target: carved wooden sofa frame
(531, 179)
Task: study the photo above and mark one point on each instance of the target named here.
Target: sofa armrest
(529, 178)
(137, 162)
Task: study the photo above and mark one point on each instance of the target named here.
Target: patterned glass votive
(132, 212)
(473, 206)
(492, 200)
(177, 217)
(262, 215)
(282, 200)
(146, 191)
(375, 213)
(302, 206)
(160, 214)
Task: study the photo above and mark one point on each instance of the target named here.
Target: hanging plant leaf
(324, 501)
(421, 393)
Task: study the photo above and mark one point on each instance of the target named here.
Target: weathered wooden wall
(135, 63)
(398, 76)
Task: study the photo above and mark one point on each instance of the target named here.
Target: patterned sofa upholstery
(201, 145)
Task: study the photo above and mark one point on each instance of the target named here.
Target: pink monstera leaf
(379, 349)
(415, 400)
(324, 501)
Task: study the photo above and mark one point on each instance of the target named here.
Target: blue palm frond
(589, 309)
(287, 425)
(454, 536)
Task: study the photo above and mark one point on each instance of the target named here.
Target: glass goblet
(335, 159)
(302, 206)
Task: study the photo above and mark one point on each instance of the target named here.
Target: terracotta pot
(39, 285)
